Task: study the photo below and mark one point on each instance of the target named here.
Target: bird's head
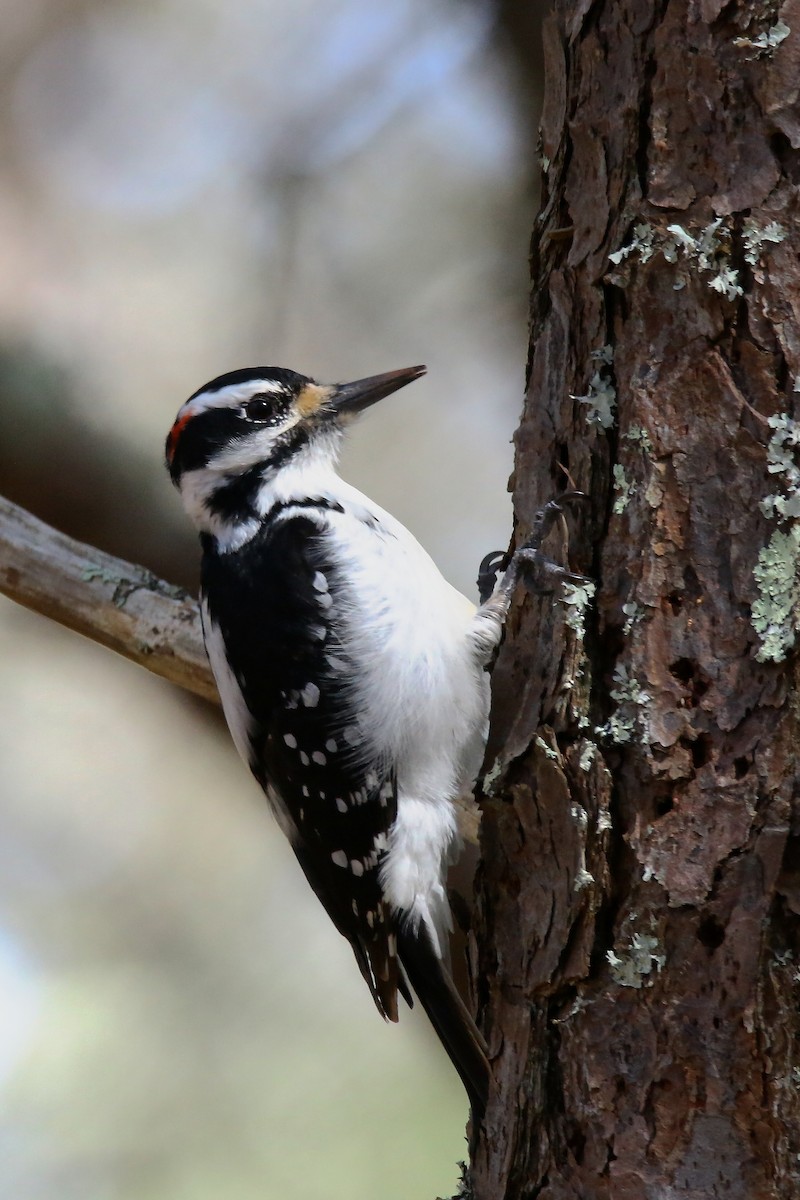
(244, 428)
(265, 415)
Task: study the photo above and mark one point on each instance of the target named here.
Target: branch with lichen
(122, 606)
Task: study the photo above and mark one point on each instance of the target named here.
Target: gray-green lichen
(92, 572)
(491, 777)
(643, 955)
(775, 613)
(767, 40)
(642, 244)
(633, 614)
(631, 699)
(587, 755)
(582, 877)
(576, 598)
(782, 462)
(601, 398)
(707, 250)
(547, 750)
(755, 238)
(639, 436)
(623, 487)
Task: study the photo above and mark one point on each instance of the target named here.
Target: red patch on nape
(175, 433)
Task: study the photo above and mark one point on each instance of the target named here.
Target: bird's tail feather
(447, 1013)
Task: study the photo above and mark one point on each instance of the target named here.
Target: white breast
(420, 695)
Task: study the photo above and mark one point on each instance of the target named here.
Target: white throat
(309, 475)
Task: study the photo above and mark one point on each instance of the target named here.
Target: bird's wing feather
(275, 608)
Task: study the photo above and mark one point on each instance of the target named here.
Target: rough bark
(637, 949)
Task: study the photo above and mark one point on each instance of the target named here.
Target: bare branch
(113, 602)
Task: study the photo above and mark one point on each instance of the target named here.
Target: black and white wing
(272, 614)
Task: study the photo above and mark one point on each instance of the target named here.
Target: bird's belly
(421, 695)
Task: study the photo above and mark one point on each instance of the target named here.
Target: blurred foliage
(78, 478)
(189, 187)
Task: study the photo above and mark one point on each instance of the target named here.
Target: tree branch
(113, 602)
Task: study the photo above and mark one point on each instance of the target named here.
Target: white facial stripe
(251, 447)
(230, 396)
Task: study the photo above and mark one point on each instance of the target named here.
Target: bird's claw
(546, 574)
(545, 518)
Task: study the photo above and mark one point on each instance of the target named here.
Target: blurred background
(188, 187)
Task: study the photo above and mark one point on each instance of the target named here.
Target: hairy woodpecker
(352, 676)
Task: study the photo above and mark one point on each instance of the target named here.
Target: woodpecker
(352, 675)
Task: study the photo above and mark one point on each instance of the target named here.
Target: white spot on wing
(319, 758)
(339, 858)
(356, 866)
(291, 740)
(310, 695)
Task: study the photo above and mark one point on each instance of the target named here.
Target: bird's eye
(260, 408)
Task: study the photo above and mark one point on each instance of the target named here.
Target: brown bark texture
(636, 952)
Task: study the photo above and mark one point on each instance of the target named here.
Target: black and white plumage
(351, 674)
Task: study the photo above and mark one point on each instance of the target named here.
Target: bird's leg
(542, 574)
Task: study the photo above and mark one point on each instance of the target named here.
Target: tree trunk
(637, 951)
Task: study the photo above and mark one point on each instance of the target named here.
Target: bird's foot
(541, 573)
